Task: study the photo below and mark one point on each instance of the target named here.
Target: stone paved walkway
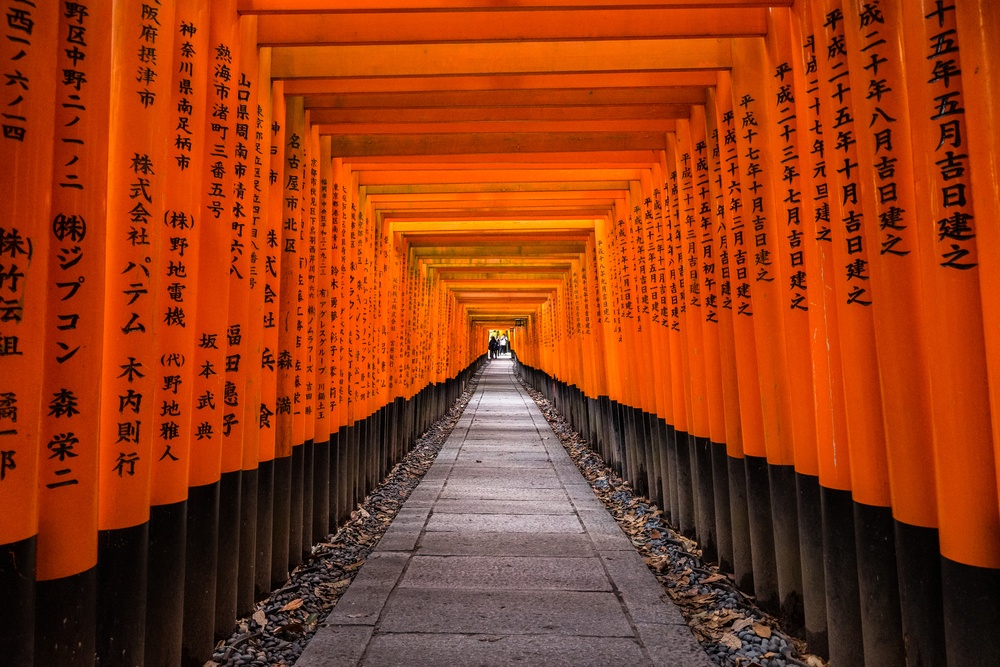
(501, 556)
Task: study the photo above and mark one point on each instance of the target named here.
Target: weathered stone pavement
(503, 555)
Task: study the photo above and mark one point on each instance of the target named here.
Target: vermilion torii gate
(250, 248)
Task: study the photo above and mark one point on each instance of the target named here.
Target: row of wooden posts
(209, 350)
(788, 333)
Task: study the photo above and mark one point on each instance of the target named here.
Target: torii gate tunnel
(250, 249)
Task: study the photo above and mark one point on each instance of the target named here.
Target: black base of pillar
(165, 601)
(121, 596)
(321, 492)
(265, 520)
(918, 559)
(202, 565)
(17, 617)
(784, 513)
(742, 546)
(282, 501)
(878, 585)
(704, 490)
(308, 479)
(810, 519)
(66, 621)
(227, 578)
(297, 471)
(720, 498)
(248, 543)
(971, 610)
(765, 568)
(685, 485)
(843, 599)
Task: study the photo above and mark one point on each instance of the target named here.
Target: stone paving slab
(506, 573)
(564, 545)
(506, 612)
(434, 650)
(503, 555)
(501, 493)
(504, 523)
(502, 506)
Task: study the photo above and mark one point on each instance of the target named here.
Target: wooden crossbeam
(495, 25)
(293, 62)
(523, 81)
(326, 6)
(488, 175)
(401, 186)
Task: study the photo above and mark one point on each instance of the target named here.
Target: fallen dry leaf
(731, 640)
(294, 604)
(762, 630)
(260, 617)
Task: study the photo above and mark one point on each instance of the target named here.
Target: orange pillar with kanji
(28, 53)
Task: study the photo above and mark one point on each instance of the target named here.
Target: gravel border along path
(281, 625)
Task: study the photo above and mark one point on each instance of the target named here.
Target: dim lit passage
(504, 555)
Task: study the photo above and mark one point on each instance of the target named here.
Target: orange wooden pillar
(752, 115)
(636, 343)
(850, 214)
(137, 159)
(645, 235)
(740, 259)
(338, 234)
(708, 221)
(682, 498)
(296, 223)
(287, 113)
(902, 359)
(211, 325)
(605, 333)
(690, 200)
(595, 325)
(322, 523)
(969, 521)
(28, 53)
(365, 340)
(238, 367)
(272, 102)
(349, 335)
(339, 437)
(828, 394)
(70, 381)
(175, 298)
(977, 24)
(307, 382)
(613, 335)
(786, 131)
(662, 308)
(254, 93)
(721, 145)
